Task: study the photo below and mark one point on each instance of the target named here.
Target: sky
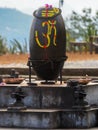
(28, 6)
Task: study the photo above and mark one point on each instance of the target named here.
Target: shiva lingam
(48, 106)
(47, 44)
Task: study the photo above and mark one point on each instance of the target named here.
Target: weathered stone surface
(48, 118)
(92, 94)
(41, 102)
(57, 97)
(29, 119)
(79, 118)
(39, 96)
(47, 97)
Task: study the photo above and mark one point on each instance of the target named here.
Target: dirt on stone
(23, 58)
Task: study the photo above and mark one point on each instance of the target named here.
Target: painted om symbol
(50, 26)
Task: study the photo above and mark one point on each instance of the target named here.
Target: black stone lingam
(47, 44)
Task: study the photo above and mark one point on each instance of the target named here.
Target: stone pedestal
(48, 107)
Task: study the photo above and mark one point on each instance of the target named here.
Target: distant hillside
(14, 24)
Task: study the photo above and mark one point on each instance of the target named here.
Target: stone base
(48, 118)
(41, 101)
(79, 118)
(32, 118)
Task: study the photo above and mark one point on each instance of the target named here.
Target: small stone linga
(18, 95)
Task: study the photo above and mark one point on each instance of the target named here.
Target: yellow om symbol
(50, 26)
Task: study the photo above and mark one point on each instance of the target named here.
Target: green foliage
(17, 47)
(82, 25)
(13, 48)
(3, 46)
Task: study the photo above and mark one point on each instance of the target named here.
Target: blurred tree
(82, 26)
(3, 46)
(17, 47)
